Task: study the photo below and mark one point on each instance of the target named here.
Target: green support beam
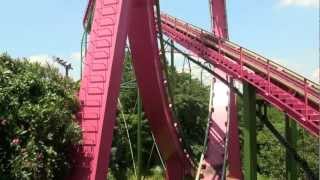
(301, 162)
(173, 71)
(139, 143)
(172, 56)
(249, 132)
(291, 133)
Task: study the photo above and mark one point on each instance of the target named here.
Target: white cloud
(304, 3)
(76, 56)
(316, 75)
(43, 59)
(73, 58)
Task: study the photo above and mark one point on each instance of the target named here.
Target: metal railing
(244, 57)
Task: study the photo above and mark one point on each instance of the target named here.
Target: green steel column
(139, 144)
(172, 55)
(173, 70)
(81, 54)
(249, 132)
(291, 132)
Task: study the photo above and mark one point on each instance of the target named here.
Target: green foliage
(191, 110)
(37, 126)
(191, 101)
(271, 153)
(191, 105)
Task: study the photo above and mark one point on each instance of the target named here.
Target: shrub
(37, 127)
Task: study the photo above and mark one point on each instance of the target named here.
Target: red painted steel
(212, 164)
(90, 7)
(234, 155)
(288, 91)
(151, 81)
(219, 18)
(224, 100)
(100, 88)
(100, 84)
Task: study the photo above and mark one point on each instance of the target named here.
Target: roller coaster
(109, 23)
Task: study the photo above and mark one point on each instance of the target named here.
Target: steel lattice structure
(112, 23)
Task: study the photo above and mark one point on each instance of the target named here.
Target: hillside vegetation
(38, 127)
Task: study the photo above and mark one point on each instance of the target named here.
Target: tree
(191, 106)
(271, 153)
(37, 127)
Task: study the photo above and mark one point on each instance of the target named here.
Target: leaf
(50, 136)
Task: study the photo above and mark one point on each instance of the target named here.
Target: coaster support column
(249, 132)
(291, 133)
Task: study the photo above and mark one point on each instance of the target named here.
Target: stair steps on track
(95, 91)
(298, 106)
(89, 129)
(283, 98)
(97, 79)
(93, 84)
(282, 95)
(90, 116)
(258, 62)
(92, 103)
(88, 142)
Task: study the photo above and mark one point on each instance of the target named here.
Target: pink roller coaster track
(113, 21)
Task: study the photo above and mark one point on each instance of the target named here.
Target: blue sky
(284, 30)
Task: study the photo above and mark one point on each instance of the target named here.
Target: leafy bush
(191, 106)
(37, 126)
(271, 154)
